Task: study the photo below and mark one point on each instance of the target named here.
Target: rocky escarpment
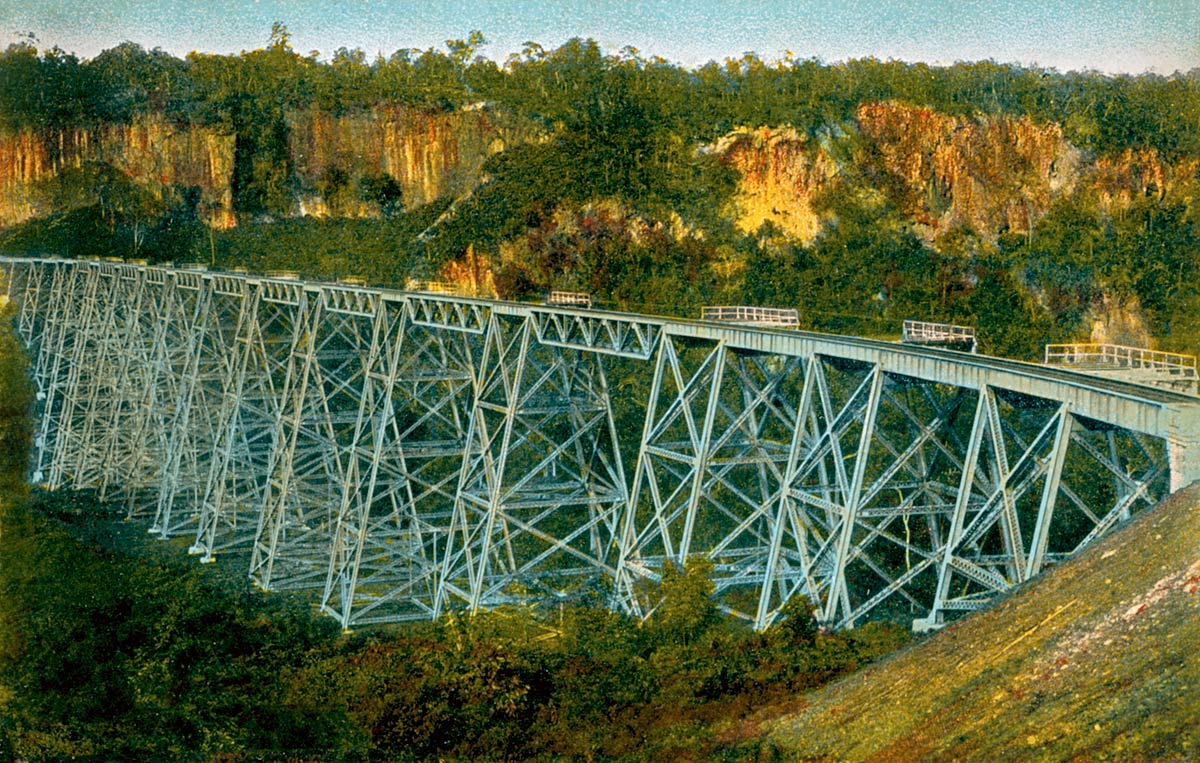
(429, 155)
(151, 151)
(987, 174)
(780, 174)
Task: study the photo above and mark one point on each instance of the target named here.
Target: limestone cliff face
(780, 174)
(988, 174)
(1121, 178)
(151, 151)
(430, 155)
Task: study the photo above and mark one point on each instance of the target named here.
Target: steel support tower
(403, 454)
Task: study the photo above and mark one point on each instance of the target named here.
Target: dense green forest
(606, 104)
(623, 197)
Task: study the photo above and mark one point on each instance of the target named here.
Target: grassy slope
(1097, 660)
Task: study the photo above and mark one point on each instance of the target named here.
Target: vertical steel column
(36, 300)
(97, 387)
(49, 366)
(936, 614)
(669, 477)
(232, 489)
(541, 488)
(88, 332)
(119, 452)
(191, 441)
(366, 449)
(787, 572)
(838, 595)
(283, 516)
(152, 386)
(392, 541)
(1045, 516)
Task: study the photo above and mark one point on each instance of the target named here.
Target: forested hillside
(1034, 204)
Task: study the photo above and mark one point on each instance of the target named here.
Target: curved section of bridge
(403, 454)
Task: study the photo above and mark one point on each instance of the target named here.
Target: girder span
(403, 454)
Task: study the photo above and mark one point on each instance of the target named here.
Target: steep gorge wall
(780, 173)
(987, 174)
(150, 151)
(430, 155)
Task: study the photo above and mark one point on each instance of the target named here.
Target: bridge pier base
(1183, 450)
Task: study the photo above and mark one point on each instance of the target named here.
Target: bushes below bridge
(107, 656)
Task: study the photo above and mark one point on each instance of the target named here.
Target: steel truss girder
(319, 396)
(246, 424)
(410, 435)
(151, 380)
(606, 334)
(211, 351)
(714, 448)
(541, 485)
(53, 357)
(408, 454)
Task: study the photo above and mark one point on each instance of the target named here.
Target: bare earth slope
(1097, 660)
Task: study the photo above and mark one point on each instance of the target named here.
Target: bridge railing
(1100, 355)
(569, 299)
(776, 317)
(432, 287)
(928, 332)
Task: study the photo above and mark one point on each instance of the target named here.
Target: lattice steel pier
(404, 454)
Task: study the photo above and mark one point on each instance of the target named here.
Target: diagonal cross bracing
(406, 454)
(541, 486)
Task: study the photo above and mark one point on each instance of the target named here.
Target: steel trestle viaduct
(404, 454)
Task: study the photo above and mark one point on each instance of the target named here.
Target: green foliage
(381, 251)
(125, 659)
(797, 623)
(135, 82)
(113, 658)
(578, 84)
(686, 611)
(16, 404)
(47, 91)
(382, 189)
(625, 128)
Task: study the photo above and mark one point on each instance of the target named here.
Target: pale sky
(1112, 36)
